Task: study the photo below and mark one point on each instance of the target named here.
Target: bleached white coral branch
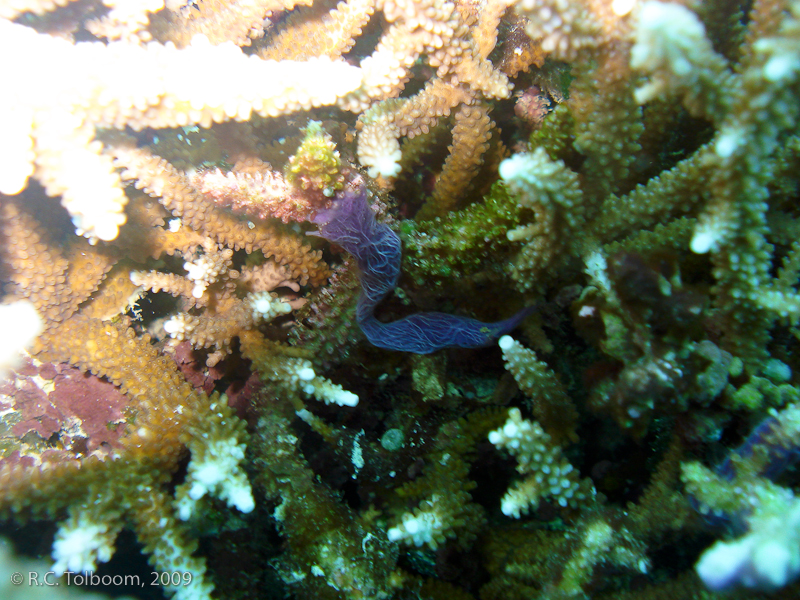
(215, 467)
(267, 306)
(216, 471)
(321, 388)
(426, 525)
(767, 558)
(55, 93)
(379, 148)
(549, 472)
(564, 26)
(20, 324)
(83, 540)
(672, 47)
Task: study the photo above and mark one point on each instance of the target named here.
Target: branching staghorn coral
(166, 418)
(441, 32)
(334, 556)
(651, 218)
(56, 119)
(254, 189)
(549, 400)
(313, 175)
(159, 179)
(438, 504)
(741, 493)
(549, 473)
(291, 370)
(757, 107)
(226, 314)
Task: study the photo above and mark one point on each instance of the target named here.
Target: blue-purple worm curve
(351, 224)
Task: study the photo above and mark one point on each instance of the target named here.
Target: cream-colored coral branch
(56, 93)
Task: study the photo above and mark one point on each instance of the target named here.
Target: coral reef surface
(260, 266)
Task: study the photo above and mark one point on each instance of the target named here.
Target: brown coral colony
(182, 361)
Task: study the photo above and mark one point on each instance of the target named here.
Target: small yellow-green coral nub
(316, 164)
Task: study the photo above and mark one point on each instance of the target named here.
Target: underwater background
(399, 299)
